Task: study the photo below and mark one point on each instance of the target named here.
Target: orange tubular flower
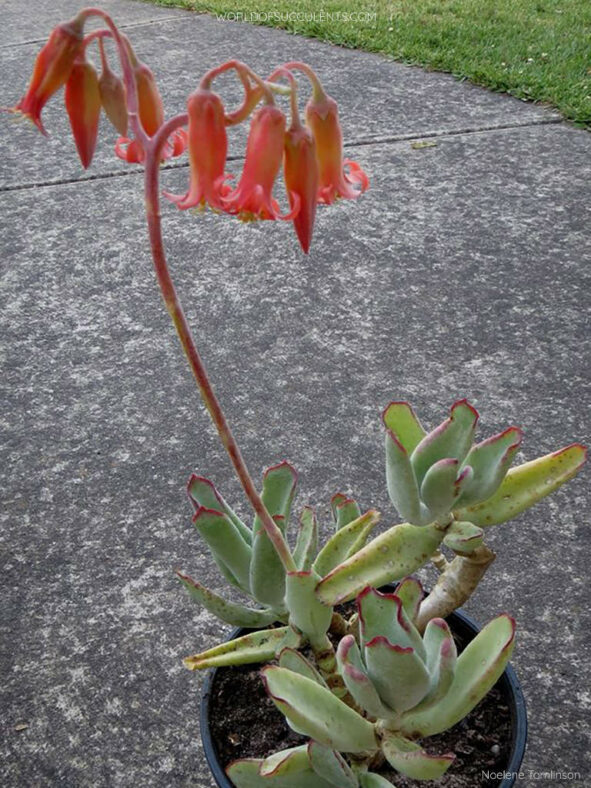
(52, 69)
(151, 115)
(334, 183)
(208, 148)
(253, 199)
(83, 103)
(301, 180)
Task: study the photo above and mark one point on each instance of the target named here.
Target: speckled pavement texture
(463, 272)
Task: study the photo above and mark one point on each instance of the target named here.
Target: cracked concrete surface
(463, 272)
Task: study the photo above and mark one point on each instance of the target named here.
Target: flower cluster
(310, 152)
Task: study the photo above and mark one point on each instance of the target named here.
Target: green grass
(538, 50)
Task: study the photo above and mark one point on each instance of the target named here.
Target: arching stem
(173, 305)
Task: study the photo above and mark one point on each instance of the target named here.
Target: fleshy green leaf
(267, 575)
(398, 673)
(291, 761)
(490, 461)
(203, 493)
(307, 540)
(401, 481)
(344, 510)
(287, 769)
(410, 593)
(315, 712)
(477, 670)
(346, 542)
(331, 766)
(357, 681)
(279, 486)
(372, 780)
(245, 773)
(230, 612)
(227, 546)
(397, 552)
(383, 615)
(293, 639)
(306, 612)
(293, 660)
(453, 438)
(525, 485)
(440, 487)
(462, 537)
(410, 759)
(256, 647)
(402, 421)
(441, 662)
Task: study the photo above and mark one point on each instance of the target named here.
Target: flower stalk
(175, 310)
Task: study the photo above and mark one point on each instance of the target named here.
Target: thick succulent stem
(439, 561)
(455, 585)
(325, 657)
(339, 625)
(326, 660)
(173, 305)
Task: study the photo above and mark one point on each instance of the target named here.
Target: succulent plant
(448, 489)
(405, 687)
(248, 560)
(377, 698)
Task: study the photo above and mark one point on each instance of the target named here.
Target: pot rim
(508, 683)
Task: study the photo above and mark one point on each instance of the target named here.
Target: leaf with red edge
(490, 461)
(525, 485)
(226, 544)
(344, 510)
(232, 613)
(314, 711)
(410, 759)
(477, 670)
(392, 555)
(452, 438)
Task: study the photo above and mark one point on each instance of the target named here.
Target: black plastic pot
(464, 628)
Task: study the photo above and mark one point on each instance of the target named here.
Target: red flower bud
(83, 103)
(113, 99)
(151, 110)
(301, 180)
(208, 147)
(323, 118)
(52, 69)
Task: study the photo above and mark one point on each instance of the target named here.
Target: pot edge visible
(508, 683)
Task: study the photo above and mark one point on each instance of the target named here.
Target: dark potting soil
(245, 724)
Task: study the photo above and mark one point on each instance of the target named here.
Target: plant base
(238, 720)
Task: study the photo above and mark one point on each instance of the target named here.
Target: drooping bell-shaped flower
(83, 104)
(338, 177)
(301, 179)
(253, 197)
(113, 95)
(52, 68)
(208, 148)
